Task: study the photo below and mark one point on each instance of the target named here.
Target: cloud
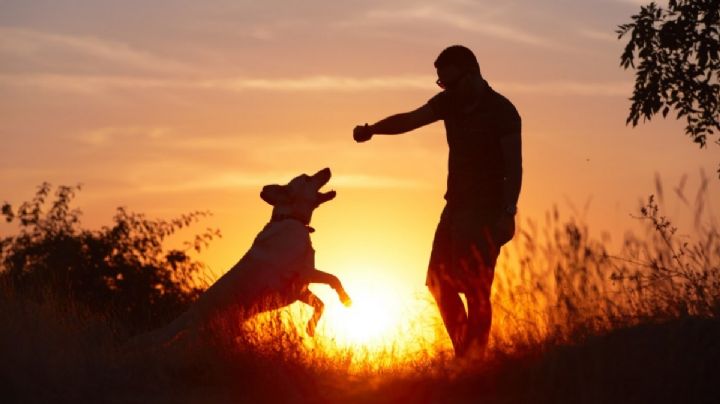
(64, 49)
(603, 36)
(487, 22)
(96, 83)
(662, 3)
(567, 88)
(84, 83)
(109, 135)
(367, 181)
(257, 180)
(320, 83)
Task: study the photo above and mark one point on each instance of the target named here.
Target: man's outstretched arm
(396, 124)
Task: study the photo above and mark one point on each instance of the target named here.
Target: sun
(388, 326)
(383, 318)
(371, 319)
(392, 322)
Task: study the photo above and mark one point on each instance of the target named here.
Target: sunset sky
(166, 107)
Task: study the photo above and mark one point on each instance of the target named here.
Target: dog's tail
(160, 337)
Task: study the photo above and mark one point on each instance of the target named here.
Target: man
(483, 185)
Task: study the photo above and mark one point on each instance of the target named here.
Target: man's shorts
(464, 251)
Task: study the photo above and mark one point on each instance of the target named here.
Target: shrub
(121, 269)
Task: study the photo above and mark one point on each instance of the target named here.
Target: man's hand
(505, 228)
(362, 133)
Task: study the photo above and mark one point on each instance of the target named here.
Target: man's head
(300, 196)
(455, 63)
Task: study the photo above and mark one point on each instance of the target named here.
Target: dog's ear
(326, 196)
(275, 194)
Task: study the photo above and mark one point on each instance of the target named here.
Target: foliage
(678, 63)
(121, 270)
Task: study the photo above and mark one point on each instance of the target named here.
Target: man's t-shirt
(474, 127)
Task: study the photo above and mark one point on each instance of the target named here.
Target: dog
(276, 270)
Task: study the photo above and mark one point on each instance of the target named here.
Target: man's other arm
(396, 124)
(511, 146)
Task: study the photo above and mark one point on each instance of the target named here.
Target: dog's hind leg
(309, 298)
(317, 276)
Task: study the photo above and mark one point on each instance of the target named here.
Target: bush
(121, 270)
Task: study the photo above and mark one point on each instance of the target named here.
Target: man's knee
(479, 300)
(438, 288)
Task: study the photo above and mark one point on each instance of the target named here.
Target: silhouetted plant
(558, 289)
(564, 284)
(678, 55)
(121, 269)
(680, 277)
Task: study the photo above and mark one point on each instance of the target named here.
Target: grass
(573, 323)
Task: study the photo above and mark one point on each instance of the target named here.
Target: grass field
(573, 323)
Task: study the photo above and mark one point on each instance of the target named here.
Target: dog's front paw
(345, 299)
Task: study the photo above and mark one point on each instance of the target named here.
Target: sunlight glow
(385, 321)
(390, 325)
(372, 319)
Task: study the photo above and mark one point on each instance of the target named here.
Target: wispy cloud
(320, 83)
(26, 43)
(643, 2)
(98, 83)
(91, 83)
(80, 83)
(567, 88)
(109, 135)
(367, 181)
(257, 180)
(604, 36)
(485, 22)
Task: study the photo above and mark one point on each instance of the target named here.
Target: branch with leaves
(676, 55)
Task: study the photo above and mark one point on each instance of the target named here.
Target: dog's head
(300, 196)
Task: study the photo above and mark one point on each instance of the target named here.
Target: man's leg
(452, 311)
(446, 297)
(484, 257)
(479, 321)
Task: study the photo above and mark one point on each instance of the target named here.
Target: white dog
(277, 269)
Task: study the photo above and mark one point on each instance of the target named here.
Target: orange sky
(176, 106)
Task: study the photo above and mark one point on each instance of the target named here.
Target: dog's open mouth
(321, 178)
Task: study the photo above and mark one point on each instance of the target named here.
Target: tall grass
(573, 322)
(557, 283)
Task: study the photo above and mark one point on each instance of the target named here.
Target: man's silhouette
(483, 185)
